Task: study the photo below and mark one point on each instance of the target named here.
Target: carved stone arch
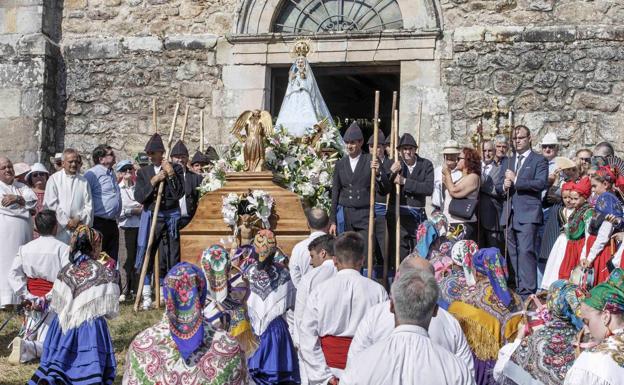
(258, 16)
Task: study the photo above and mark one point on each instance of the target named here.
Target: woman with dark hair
(78, 348)
(466, 187)
(37, 178)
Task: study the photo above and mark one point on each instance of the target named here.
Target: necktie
(519, 163)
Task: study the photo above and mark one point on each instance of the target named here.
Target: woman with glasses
(603, 314)
(129, 220)
(583, 160)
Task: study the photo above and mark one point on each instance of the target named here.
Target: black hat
(211, 154)
(388, 140)
(155, 144)
(179, 149)
(353, 133)
(381, 138)
(199, 158)
(407, 140)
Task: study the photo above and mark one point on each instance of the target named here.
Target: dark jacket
(418, 185)
(352, 189)
(145, 193)
(490, 201)
(385, 165)
(525, 194)
(191, 182)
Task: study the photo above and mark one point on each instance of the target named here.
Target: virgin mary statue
(303, 105)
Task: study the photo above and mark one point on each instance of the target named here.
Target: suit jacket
(490, 201)
(525, 203)
(145, 193)
(418, 185)
(379, 196)
(352, 189)
(191, 182)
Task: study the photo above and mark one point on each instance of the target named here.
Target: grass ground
(123, 329)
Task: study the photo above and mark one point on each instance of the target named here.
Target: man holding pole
(351, 186)
(148, 179)
(413, 175)
(188, 203)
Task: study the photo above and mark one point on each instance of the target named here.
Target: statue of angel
(257, 126)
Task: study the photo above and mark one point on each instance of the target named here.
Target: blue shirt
(104, 191)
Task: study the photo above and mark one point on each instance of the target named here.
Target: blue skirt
(82, 356)
(275, 361)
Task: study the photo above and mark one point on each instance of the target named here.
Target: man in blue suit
(524, 179)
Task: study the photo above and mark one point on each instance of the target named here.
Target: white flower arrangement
(256, 202)
(304, 170)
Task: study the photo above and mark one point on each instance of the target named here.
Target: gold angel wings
(257, 125)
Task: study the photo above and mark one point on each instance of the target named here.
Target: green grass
(123, 329)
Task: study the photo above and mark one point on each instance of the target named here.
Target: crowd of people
(514, 276)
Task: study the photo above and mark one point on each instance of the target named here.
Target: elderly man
(490, 202)
(523, 182)
(68, 194)
(450, 152)
(16, 201)
(444, 329)
(106, 198)
(409, 356)
(188, 203)
(333, 312)
(299, 264)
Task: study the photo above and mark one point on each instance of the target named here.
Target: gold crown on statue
(302, 48)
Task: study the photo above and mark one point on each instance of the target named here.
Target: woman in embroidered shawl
(272, 294)
(78, 349)
(546, 355)
(183, 348)
(603, 313)
(596, 251)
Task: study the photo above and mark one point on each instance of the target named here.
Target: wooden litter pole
(395, 96)
(386, 244)
(186, 112)
(156, 278)
(419, 123)
(397, 198)
(371, 211)
(201, 131)
(154, 113)
(161, 187)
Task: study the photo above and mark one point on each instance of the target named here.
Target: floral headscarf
(564, 301)
(492, 264)
(608, 295)
(215, 263)
(84, 240)
(185, 294)
(462, 254)
(425, 236)
(265, 244)
(607, 203)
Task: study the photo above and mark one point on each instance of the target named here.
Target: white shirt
(69, 196)
(406, 357)
(410, 169)
(487, 167)
(41, 258)
(354, 161)
(183, 209)
(126, 218)
(444, 331)
(334, 308)
(299, 263)
(524, 155)
(595, 368)
(308, 283)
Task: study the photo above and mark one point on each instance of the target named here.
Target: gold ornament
(257, 126)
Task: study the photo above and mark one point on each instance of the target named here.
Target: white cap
(550, 138)
(21, 168)
(451, 147)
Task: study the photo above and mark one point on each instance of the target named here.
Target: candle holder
(493, 114)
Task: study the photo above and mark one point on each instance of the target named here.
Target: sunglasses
(550, 146)
(38, 174)
(586, 160)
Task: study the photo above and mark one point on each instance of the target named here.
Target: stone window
(318, 16)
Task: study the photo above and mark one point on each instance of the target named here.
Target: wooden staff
(391, 156)
(507, 196)
(371, 211)
(419, 122)
(154, 120)
(186, 112)
(201, 131)
(157, 255)
(395, 96)
(397, 199)
(161, 187)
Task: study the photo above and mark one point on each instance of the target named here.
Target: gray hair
(415, 295)
(500, 138)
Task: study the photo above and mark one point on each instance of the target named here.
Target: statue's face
(301, 64)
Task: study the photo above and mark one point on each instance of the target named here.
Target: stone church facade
(76, 73)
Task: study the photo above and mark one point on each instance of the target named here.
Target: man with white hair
(409, 356)
(444, 330)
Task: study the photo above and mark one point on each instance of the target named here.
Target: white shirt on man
(444, 330)
(407, 357)
(334, 308)
(299, 263)
(69, 196)
(354, 161)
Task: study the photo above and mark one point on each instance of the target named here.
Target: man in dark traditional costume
(188, 203)
(351, 186)
(148, 179)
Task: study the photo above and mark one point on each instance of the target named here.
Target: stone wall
(568, 80)
(30, 72)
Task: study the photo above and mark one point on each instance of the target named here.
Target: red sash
(335, 350)
(39, 287)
